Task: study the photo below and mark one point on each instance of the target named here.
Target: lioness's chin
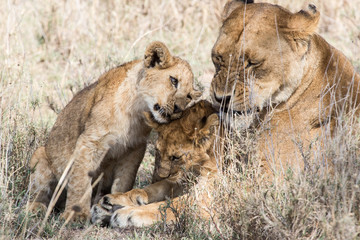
(234, 110)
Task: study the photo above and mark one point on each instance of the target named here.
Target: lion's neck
(127, 98)
(326, 69)
(330, 85)
(340, 80)
(128, 110)
(310, 71)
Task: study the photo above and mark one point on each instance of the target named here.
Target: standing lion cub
(102, 129)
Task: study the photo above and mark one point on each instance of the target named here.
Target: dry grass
(51, 49)
(313, 205)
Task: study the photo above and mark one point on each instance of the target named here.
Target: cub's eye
(174, 158)
(174, 81)
(189, 96)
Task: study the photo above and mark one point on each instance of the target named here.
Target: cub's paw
(135, 197)
(100, 215)
(135, 217)
(138, 197)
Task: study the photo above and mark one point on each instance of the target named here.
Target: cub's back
(70, 124)
(71, 121)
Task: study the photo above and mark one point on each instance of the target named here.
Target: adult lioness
(102, 129)
(185, 148)
(271, 60)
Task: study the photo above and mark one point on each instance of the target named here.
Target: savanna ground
(51, 49)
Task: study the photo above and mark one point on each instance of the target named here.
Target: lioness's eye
(174, 158)
(174, 81)
(252, 63)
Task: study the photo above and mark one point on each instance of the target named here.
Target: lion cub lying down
(103, 130)
(184, 146)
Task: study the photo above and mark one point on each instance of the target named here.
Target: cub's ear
(195, 95)
(301, 25)
(193, 98)
(208, 130)
(158, 55)
(230, 6)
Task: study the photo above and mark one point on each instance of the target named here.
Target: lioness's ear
(158, 55)
(300, 26)
(231, 6)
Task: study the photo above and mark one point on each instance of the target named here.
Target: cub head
(260, 55)
(186, 144)
(166, 83)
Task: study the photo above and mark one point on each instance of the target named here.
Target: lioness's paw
(100, 215)
(134, 217)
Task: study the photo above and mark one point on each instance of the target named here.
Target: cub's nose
(177, 109)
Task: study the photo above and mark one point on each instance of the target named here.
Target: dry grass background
(51, 49)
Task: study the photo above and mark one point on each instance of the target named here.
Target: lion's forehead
(173, 137)
(183, 71)
(242, 41)
(258, 26)
(256, 19)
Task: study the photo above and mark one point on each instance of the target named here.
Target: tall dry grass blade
(58, 190)
(81, 200)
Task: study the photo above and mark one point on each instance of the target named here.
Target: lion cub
(185, 148)
(103, 130)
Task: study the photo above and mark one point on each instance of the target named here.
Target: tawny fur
(271, 60)
(184, 149)
(103, 130)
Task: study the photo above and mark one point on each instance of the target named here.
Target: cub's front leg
(137, 216)
(145, 215)
(134, 198)
(101, 212)
(126, 167)
(86, 158)
(155, 192)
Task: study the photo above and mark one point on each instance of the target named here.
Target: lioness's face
(185, 144)
(168, 83)
(259, 56)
